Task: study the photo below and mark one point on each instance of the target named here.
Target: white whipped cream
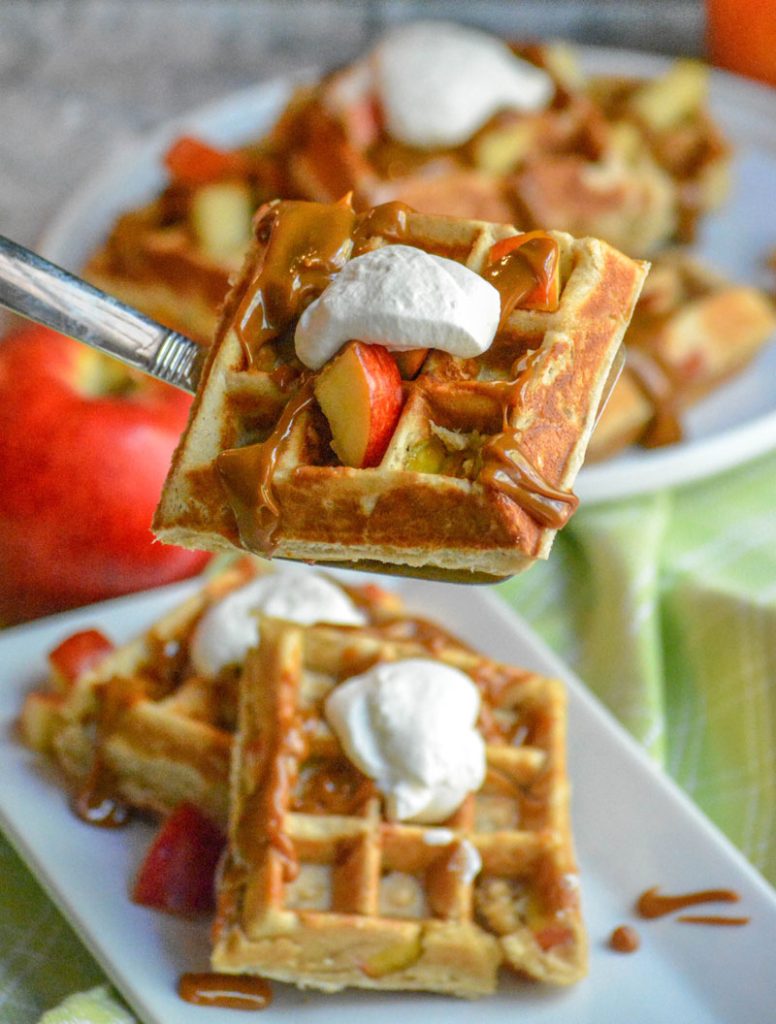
(438, 82)
(402, 298)
(411, 726)
(229, 628)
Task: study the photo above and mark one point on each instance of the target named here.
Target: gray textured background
(79, 77)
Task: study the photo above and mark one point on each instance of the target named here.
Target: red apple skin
(177, 875)
(360, 393)
(80, 475)
(77, 655)
(410, 362)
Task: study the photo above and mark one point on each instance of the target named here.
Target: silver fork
(44, 292)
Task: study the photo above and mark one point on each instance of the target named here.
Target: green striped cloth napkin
(665, 605)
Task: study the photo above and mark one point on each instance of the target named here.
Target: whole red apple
(84, 448)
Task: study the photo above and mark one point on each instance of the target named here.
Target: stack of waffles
(691, 330)
(478, 475)
(318, 886)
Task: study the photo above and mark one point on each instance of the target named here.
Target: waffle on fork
(318, 888)
(143, 730)
(478, 475)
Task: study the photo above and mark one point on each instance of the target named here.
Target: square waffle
(160, 269)
(691, 330)
(477, 477)
(320, 889)
(142, 729)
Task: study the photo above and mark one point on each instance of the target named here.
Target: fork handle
(44, 292)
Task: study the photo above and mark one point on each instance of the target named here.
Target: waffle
(172, 258)
(598, 161)
(626, 199)
(143, 730)
(318, 888)
(671, 115)
(478, 474)
(162, 271)
(691, 331)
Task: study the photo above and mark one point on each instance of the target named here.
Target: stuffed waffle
(149, 724)
(320, 887)
(477, 474)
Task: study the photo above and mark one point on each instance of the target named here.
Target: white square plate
(633, 827)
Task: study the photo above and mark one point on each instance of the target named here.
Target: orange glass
(741, 37)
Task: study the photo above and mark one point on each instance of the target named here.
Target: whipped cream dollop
(230, 627)
(439, 82)
(403, 298)
(411, 726)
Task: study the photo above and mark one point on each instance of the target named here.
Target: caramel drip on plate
(247, 475)
(230, 991)
(652, 904)
(624, 939)
(714, 919)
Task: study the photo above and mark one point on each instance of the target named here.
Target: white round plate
(737, 423)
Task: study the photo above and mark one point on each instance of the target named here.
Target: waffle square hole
(331, 785)
(402, 895)
(311, 889)
(496, 812)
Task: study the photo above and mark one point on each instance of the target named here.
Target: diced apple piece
(221, 218)
(360, 394)
(39, 719)
(410, 362)
(663, 102)
(178, 873)
(194, 162)
(501, 147)
(393, 958)
(77, 655)
(362, 121)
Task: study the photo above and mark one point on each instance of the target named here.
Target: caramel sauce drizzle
(306, 244)
(651, 904)
(247, 475)
(523, 272)
(507, 470)
(230, 991)
(96, 803)
(389, 221)
(272, 762)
